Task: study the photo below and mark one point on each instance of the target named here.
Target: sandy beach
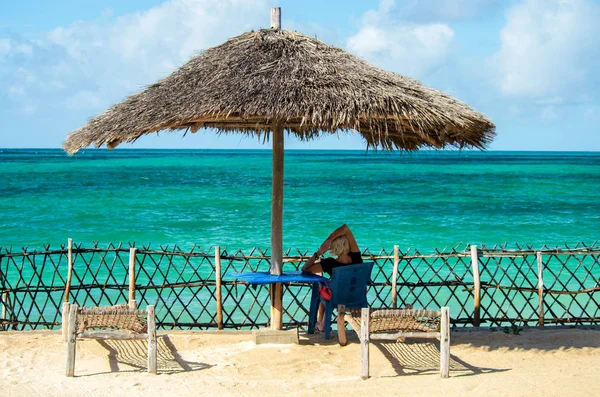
(228, 363)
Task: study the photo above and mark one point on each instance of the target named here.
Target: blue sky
(531, 66)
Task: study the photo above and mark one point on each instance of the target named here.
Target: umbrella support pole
(277, 202)
(276, 291)
(277, 226)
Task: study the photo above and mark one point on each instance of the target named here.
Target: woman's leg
(320, 326)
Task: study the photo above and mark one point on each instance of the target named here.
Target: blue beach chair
(348, 287)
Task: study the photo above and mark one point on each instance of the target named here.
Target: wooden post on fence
(218, 287)
(70, 269)
(132, 303)
(8, 312)
(364, 337)
(66, 306)
(395, 277)
(540, 289)
(66, 309)
(4, 297)
(445, 342)
(476, 286)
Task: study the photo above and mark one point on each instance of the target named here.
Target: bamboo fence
(192, 289)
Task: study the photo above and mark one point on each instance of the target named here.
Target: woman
(342, 244)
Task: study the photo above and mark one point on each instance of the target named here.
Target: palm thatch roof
(275, 77)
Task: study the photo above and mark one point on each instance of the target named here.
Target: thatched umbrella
(266, 82)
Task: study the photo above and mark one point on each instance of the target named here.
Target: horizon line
(375, 150)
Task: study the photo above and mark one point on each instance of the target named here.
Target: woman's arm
(343, 230)
(312, 266)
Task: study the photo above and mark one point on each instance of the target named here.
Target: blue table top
(286, 277)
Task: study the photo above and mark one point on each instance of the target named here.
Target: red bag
(325, 292)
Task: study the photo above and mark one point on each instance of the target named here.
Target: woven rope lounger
(113, 322)
(394, 324)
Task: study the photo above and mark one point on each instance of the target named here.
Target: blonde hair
(340, 246)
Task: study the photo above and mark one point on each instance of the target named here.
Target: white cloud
(8, 47)
(83, 100)
(591, 113)
(549, 113)
(514, 110)
(15, 91)
(549, 50)
(440, 10)
(550, 100)
(87, 65)
(4, 47)
(167, 36)
(400, 45)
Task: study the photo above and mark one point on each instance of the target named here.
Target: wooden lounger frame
(115, 322)
(394, 324)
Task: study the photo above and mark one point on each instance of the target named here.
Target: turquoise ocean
(423, 200)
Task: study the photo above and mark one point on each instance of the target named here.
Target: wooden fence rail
(192, 290)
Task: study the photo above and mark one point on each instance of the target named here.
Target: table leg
(314, 306)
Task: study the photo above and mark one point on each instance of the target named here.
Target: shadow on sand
(413, 357)
(134, 353)
(416, 357)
